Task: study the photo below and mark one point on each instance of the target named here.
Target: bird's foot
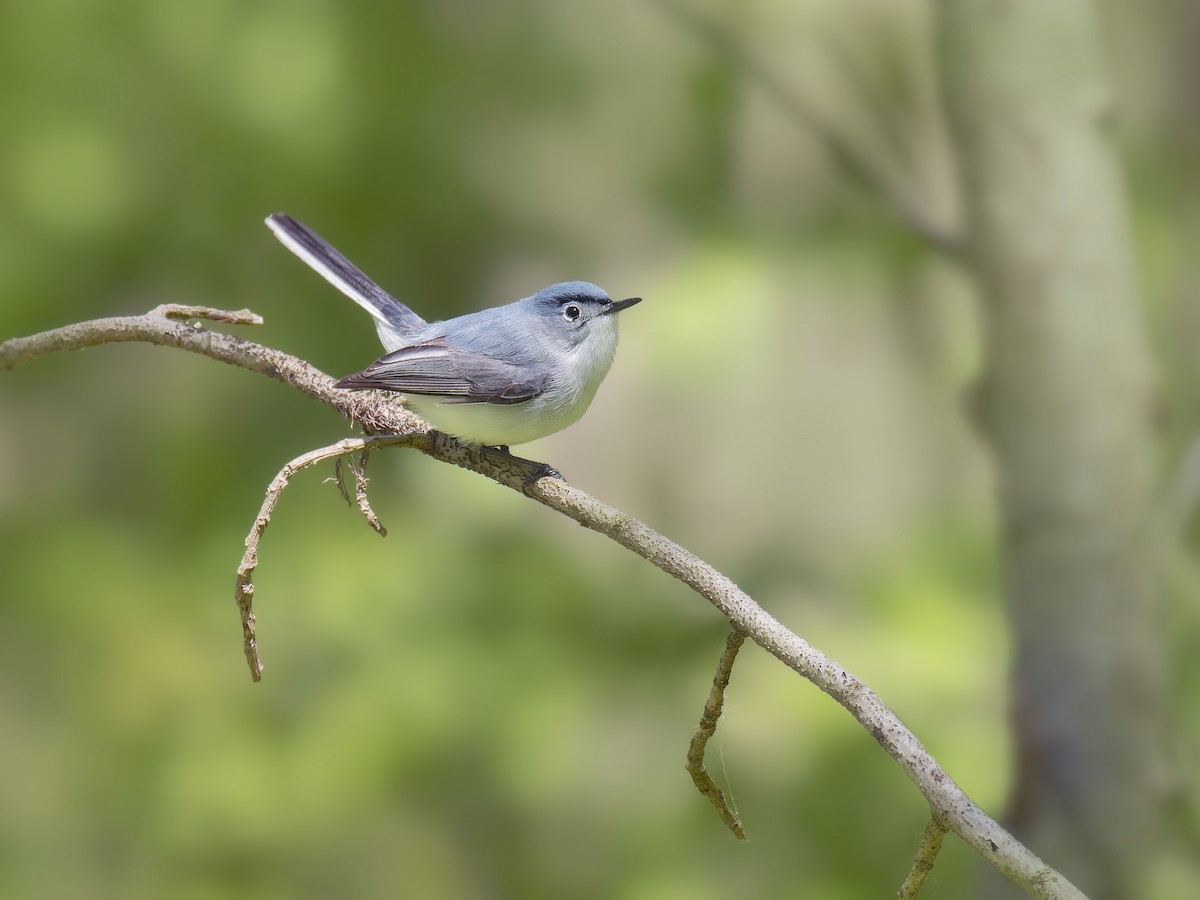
(539, 470)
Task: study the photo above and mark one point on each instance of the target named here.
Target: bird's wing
(454, 374)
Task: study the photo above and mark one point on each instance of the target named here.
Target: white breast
(561, 404)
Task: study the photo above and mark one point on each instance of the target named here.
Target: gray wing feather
(435, 369)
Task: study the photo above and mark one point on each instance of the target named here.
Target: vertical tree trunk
(1067, 406)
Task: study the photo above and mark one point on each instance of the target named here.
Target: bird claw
(540, 469)
(543, 470)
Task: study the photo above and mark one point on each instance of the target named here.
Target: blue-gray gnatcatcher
(496, 377)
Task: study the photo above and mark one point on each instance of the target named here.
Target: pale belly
(497, 425)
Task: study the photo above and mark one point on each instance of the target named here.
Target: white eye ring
(571, 312)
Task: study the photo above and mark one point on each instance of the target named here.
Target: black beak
(618, 305)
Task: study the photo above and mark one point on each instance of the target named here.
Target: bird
(498, 377)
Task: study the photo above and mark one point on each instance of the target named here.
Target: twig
(947, 799)
(244, 587)
(377, 412)
(339, 478)
(233, 317)
(927, 851)
(707, 728)
(359, 469)
(858, 164)
(389, 424)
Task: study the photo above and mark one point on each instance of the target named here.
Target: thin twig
(359, 469)
(233, 317)
(339, 478)
(707, 728)
(244, 587)
(389, 424)
(927, 851)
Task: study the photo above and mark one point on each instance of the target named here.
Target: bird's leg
(540, 469)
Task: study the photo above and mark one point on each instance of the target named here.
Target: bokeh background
(492, 702)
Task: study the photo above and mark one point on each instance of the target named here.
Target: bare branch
(949, 801)
(707, 728)
(927, 851)
(388, 423)
(158, 327)
(244, 588)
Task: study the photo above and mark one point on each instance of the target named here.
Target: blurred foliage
(490, 702)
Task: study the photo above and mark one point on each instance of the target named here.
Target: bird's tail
(393, 320)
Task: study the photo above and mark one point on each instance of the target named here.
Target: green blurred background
(493, 702)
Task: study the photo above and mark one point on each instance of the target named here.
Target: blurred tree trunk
(1067, 405)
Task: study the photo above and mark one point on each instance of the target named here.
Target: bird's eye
(571, 312)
